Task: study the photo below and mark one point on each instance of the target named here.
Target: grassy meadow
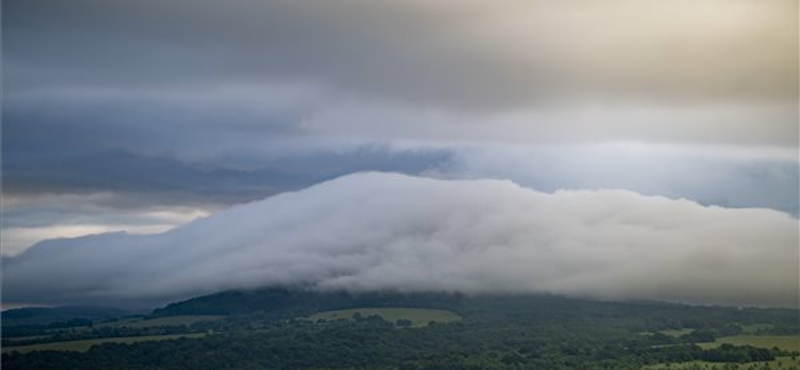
(183, 320)
(676, 332)
(785, 342)
(418, 316)
(784, 363)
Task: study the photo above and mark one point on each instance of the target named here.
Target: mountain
(288, 302)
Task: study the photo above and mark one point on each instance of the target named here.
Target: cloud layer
(195, 105)
(390, 231)
(459, 53)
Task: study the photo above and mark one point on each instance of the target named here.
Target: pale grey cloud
(389, 231)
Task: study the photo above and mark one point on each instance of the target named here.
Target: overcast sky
(140, 116)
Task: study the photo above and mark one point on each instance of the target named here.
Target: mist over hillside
(383, 231)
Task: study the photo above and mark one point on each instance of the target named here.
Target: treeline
(725, 353)
(374, 343)
(294, 301)
(93, 332)
(281, 302)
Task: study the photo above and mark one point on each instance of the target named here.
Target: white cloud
(388, 231)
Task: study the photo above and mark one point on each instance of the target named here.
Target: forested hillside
(273, 329)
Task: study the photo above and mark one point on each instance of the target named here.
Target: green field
(785, 342)
(418, 316)
(84, 345)
(778, 363)
(755, 328)
(184, 320)
(676, 332)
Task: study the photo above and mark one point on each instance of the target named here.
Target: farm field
(185, 320)
(755, 328)
(785, 342)
(676, 332)
(84, 345)
(778, 363)
(418, 316)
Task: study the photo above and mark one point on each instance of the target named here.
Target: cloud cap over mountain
(388, 231)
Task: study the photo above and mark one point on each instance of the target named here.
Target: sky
(609, 126)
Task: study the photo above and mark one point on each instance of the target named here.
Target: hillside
(50, 315)
(298, 301)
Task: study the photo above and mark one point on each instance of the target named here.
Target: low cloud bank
(388, 231)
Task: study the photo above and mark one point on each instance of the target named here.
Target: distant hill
(286, 302)
(294, 301)
(300, 301)
(51, 315)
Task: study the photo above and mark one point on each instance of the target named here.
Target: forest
(282, 328)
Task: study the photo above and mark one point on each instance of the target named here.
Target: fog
(374, 231)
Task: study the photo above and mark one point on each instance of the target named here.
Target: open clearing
(755, 328)
(418, 316)
(785, 342)
(676, 332)
(778, 363)
(84, 345)
(184, 320)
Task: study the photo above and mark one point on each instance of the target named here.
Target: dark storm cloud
(360, 46)
(246, 71)
(161, 121)
(172, 182)
(220, 147)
